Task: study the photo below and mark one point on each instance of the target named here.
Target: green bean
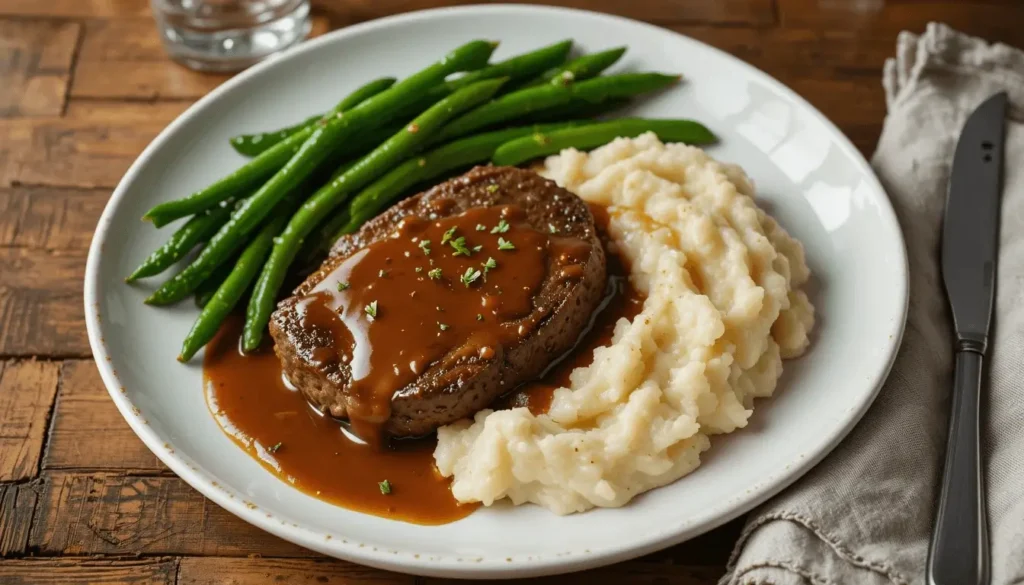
(388, 105)
(248, 176)
(209, 286)
(231, 289)
(254, 144)
(333, 194)
(313, 151)
(314, 248)
(590, 136)
(577, 110)
(345, 166)
(358, 146)
(361, 143)
(579, 69)
(373, 112)
(361, 94)
(515, 68)
(532, 99)
(196, 230)
(455, 155)
(519, 67)
(251, 212)
(311, 249)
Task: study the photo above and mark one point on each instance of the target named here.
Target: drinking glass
(229, 35)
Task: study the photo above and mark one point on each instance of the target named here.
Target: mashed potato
(723, 308)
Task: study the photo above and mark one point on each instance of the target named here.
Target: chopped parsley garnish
(419, 269)
(382, 273)
(504, 244)
(425, 246)
(480, 227)
(443, 326)
(470, 276)
(343, 286)
(501, 228)
(479, 317)
(488, 266)
(434, 274)
(477, 248)
(448, 235)
(385, 487)
(459, 244)
(552, 228)
(274, 448)
(492, 188)
(371, 310)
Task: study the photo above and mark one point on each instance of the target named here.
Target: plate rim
(453, 566)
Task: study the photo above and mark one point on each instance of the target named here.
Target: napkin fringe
(835, 544)
(942, 48)
(789, 568)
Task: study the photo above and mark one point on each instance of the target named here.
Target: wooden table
(84, 86)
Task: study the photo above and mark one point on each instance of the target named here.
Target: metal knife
(970, 237)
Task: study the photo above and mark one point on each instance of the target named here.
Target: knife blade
(970, 229)
(958, 553)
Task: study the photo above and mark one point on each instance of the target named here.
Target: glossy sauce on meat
(465, 283)
(620, 301)
(313, 452)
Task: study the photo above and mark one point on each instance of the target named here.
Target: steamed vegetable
(325, 134)
(532, 99)
(254, 144)
(590, 136)
(195, 231)
(515, 68)
(226, 296)
(579, 69)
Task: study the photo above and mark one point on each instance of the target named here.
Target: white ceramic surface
(809, 176)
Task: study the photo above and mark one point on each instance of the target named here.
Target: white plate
(808, 174)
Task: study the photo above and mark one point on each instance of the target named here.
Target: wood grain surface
(84, 86)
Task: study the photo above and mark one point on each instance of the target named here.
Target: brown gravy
(620, 301)
(316, 454)
(254, 406)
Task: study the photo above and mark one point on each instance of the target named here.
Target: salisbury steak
(444, 302)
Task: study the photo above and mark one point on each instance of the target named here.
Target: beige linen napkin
(864, 515)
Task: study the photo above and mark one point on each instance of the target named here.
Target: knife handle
(958, 554)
